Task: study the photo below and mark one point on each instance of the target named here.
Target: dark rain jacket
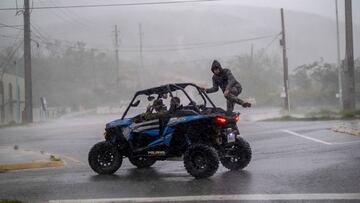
(225, 80)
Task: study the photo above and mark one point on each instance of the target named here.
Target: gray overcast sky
(86, 24)
(324, 8)
(320, 7)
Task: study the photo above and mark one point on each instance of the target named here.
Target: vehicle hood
(119, 122)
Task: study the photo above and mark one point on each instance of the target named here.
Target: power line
(6, 63)
(268, 45)
(36, 35)
(11, 26)
(114, 5)
(7, 36)
(68, 18)
(162, 48)
(62, 17)
(72, 13)
(188, 46)
(44, 38)
(17, 37)
(205, 43)
(272, 41)
(39, 35)
(6, 25)
(48, 41)
(198, 45)
(37, 30)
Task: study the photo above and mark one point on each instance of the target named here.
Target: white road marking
(306, 137)
(351, 142)
(318, 140)
(238, 197)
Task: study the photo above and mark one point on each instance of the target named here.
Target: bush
(10, 201)
(348, 114)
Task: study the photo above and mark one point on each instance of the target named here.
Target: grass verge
(10, 201)
(322, 114)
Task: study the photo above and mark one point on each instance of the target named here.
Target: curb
(52, 161)
(33, 165)
(343, 129)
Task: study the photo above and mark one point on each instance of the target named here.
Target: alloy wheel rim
(106, 158)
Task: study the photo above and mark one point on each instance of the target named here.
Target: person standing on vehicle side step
(231, 88)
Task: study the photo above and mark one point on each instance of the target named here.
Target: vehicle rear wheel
(238, 156)
(201, 161)
(142, 162)
(104, 158)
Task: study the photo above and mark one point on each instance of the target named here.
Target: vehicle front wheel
(201, 161)
(142, 162)
(104, 158)
(237, 156)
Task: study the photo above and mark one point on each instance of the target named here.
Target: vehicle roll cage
(169, 88)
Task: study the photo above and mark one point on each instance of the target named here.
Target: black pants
(232, 98)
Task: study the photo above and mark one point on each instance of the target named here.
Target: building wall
(9, 111)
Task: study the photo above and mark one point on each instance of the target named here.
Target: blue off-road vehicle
(192, 128)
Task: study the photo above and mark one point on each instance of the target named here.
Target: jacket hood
(215, 65)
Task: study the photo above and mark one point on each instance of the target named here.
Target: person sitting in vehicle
(174, 105)
(160, 113)
(176, 109)
(157, 106)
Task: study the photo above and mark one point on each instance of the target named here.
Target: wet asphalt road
(288, 158)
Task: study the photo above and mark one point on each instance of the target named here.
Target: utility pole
(285, 63)
(338, 56)
(117, 56)
(141, 53)
(349, 76)
(27, 64)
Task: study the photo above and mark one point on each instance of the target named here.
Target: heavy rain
(179, 100)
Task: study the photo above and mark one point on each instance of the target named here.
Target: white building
(11, 98)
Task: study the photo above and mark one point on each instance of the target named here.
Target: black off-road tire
(201, 161)
(104, 158)
(242, 155)
(142, 162)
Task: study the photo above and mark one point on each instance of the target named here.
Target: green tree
(260, 76)
(314, 84)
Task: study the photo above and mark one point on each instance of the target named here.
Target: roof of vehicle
(163, 89)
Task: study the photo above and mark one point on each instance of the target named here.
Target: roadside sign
(43, 103)
(282, 94)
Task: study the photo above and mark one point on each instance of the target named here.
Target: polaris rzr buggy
(196, 131)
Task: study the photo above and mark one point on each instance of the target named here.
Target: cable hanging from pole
(196, 45)
(115, 5)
